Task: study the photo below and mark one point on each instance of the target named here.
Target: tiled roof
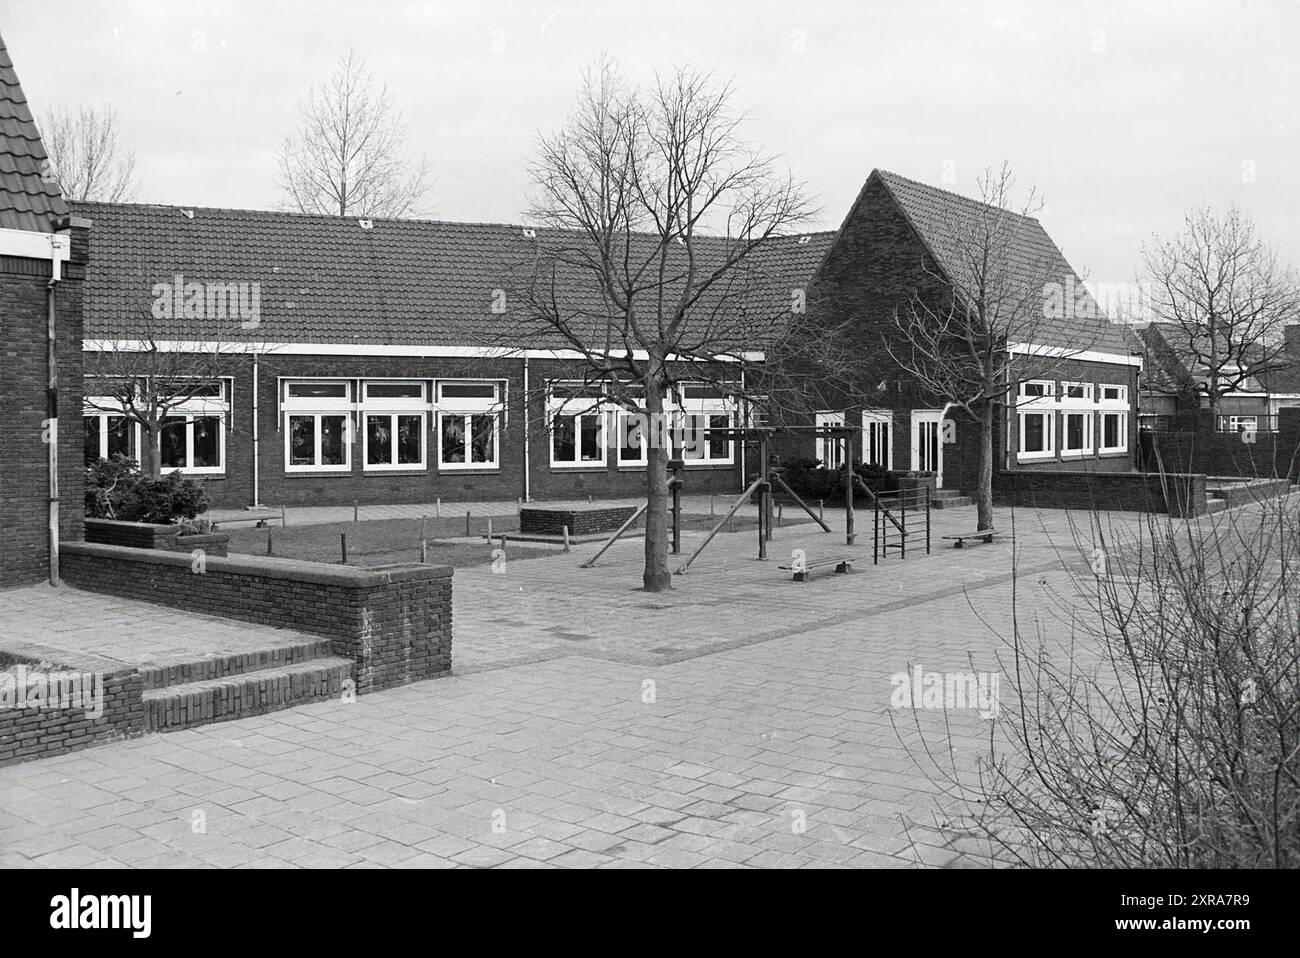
(28, 201)
(947, 221)
(326, 279)
(1172, 366)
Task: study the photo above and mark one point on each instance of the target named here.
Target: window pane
(207, 441)
(333, 436)
(563, 439)
(379, 441)
(1034, 389)
(590, 438)
(483, 442)
(410, 432)
(302, 440)
(719, 445)
(633, 439)
(172, 442)
(395, 390)
(121, 436)
(318, 390)
(1074, 432)
(691, 437)
(468, 390)
(453, 439)
(91, 437)
(1035, 436)
(1110, 430)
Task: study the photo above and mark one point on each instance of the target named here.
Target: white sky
(1122, 115)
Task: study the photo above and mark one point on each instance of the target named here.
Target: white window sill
(421, 467)
(301, 470)
(468, 467)
(1035, 456)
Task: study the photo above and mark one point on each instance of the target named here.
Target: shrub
(115, 489)
(812, 481)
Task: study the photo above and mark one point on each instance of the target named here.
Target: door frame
(928, 415)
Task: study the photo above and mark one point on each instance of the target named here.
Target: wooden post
(710, 505)
(283, 520)
(927, 520)
(424, 551)
(343, 541)
(489, 535)
(467, 532)
(268, 540)
(780, 513)
(821, 509)
(764, 498)
(848, 488)
(875, 536)
(423, 521)
(437, 507)
(675, 486)
(356, 511)
(566, 538)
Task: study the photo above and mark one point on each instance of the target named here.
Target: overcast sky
(1122, 115)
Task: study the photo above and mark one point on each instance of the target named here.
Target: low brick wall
(33, 732)
(1179, 494)
(151, 535)
(393, 622)
(551, 521)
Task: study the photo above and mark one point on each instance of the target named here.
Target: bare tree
(1225, 298)
(652, 261)
(146, 378)
(84, 155)
(348, 156)
(994, 291)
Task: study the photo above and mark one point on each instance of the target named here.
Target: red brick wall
(24, 492)
(31, 732)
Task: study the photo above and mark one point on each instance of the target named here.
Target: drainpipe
(58, 244)
(527, 429)
(256, 496)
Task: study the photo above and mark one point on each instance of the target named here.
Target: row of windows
(1071, 419)
(397, 419)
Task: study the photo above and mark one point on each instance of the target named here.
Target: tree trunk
(984, 480)
(656, 577)
(151, 451)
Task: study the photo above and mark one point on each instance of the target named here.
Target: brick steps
(185, 705)
(221, 666)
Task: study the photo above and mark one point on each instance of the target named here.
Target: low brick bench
(153, 535)
(581, 520)
(393, 622)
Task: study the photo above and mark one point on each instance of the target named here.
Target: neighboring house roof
(946, 222)
(1172, 367)
(29, 198)
(326, 279)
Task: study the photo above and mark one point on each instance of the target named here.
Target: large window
(704, 411)
(469, 424)
(191, 437)
(877, 449)
(318, 421)
(1078, 414)
(1114, 409)
(1036, 412)
(393, 414)
(576, 421)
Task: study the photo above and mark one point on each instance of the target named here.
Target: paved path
(741, 720)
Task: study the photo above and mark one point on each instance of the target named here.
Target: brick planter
(154, 535)
(393, 622)
(581, 520)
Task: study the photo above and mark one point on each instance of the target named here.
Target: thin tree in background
(85, 157)
(649, 262)
(1225, 298)
(348, 156)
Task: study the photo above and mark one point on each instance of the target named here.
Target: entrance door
(927, 443)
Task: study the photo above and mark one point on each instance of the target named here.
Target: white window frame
(103, 409)
(465, 409)
(708, 407)
(1045, 406)
(873, 420)
(317, 407)
(620, 432)
(1089, 417)
(577, 408)
(829, 447)
(196, 407)
(392, 407)
(1112, 406)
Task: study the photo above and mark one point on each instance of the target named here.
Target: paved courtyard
(743, 719)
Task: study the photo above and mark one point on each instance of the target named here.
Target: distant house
(1173, 385)
(43, 252)
(896, 243)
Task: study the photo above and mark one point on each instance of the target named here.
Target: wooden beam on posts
(744, 497)
(675, 487)
(764, 498)
(849, 477)
(343, 542)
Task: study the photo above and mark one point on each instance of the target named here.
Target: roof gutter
(57, 246)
